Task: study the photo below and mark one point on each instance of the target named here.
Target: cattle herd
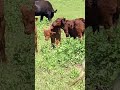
(97, 13)
(73, 28)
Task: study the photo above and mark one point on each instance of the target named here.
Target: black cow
(44, 8)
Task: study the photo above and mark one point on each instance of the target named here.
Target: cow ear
(63, 20)
(55, 11)
(83, 20)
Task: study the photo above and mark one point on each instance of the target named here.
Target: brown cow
(102, 12)
(69, 28)
(48, 33)
(28, 19)
(59, 23)
(2, 34)
(79, 27)
(54, 35)
(56, 28)
(74, 28)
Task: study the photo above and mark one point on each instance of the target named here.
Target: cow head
(28, 19)
(59, 22)
(50, 14)
(66, 31)
(68, 25)
(48, 33)
(55, 11)
(82, 19)
(71, 24)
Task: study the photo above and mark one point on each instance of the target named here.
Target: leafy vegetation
(102, 59)
(56, 68)
(19, 72)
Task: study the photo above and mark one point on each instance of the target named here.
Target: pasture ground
(57, 68)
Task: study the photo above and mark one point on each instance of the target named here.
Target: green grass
(56, 68)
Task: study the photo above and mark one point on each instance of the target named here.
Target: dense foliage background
(102, 59)
(18, 74)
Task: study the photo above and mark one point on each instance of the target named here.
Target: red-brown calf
(54, 35)
(74, 28)
(79, 27)
(59, 23)
(69, 28)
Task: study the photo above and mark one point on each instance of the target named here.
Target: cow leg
(36, 49)
(116, 18)
(2, 51)
(57, 42)
(58, 39)
(74, 37)
(80, 35)
(49, 19)
(2, 42)
(109, 27)
(115, 24)
(53, 41)
(96, 27)
(109, 34)
(41, 19)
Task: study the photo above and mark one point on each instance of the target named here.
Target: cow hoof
(36, 51)
(53, 46)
